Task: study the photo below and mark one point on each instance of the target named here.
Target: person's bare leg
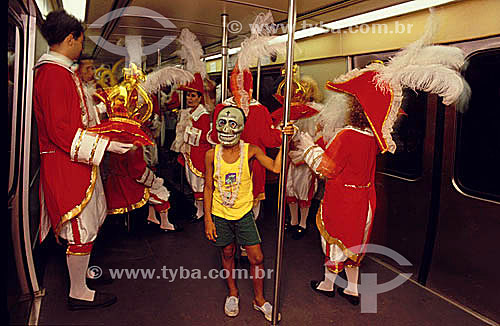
(257, 272)
(227, 254)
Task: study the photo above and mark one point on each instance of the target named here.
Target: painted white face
(229, 125)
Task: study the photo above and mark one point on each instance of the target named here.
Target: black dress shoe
(194, 219)
(314, 286)
(177, 228)
(101, 299)
(298, 233)
(354, 300)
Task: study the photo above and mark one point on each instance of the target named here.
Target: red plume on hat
(258, 45)
(242, 87)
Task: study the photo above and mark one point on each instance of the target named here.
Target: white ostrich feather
(166, 76)
(435, 78)
(258, 44)
(425, 67)
(191, 52)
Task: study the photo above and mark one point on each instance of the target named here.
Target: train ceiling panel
(203, 18)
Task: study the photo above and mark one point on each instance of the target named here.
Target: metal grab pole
(284, 159)
(224, 52)
(258, 78)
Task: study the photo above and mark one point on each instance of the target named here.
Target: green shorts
(243, 230)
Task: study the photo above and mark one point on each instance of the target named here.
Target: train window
(477, 156)
(409, 134)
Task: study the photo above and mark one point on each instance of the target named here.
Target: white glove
(119, 148)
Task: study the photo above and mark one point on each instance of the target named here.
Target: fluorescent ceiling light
(392, 11)
(75, 8)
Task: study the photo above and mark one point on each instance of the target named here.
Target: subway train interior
(438, 195)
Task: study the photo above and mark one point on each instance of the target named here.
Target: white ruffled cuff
(88, 147)
(312, 156)
(147, 178)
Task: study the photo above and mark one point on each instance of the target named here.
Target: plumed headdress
(256, 46)
(420, 66)
(191, 51)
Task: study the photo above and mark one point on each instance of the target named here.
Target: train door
(25, 46)
(464, 265)
(403, 179)
(437, 196)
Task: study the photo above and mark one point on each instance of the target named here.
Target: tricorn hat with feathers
(420, 66)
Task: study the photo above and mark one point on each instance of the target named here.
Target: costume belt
(359, 187)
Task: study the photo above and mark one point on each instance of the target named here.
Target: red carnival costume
(345, 217)
(71, 191)
(191, 139)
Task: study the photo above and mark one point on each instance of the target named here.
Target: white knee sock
(304, 211)
(352, 279)
(77, 267)
(294, 213)
(165, 223)
(200, 209)
(328, 282)
(256, 210)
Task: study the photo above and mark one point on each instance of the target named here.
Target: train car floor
(170, 279)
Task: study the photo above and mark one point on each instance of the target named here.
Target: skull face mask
(230, 123)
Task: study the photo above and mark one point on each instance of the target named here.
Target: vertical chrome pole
(224, 52)
(162, 118)
(284, 159)
(258, 78)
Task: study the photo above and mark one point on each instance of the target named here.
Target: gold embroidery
(191, 166)
(78, 209)
(126, 120)
(331, 240)
(68, 252)
(77, 147)
(94, 147)
(139, 204)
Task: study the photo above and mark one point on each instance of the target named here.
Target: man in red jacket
(71, 191)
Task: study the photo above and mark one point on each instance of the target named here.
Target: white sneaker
(267, 310)
(231, 307)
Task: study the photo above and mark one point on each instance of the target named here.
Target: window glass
(408, 134)
(477, 157)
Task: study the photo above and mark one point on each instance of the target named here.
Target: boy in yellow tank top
(228, 201)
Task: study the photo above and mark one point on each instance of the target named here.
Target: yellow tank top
(235, 189)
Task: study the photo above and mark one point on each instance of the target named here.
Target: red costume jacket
(69, 155)
(349, 166)
(200, 119)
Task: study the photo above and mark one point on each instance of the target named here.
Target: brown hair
(357, 117)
